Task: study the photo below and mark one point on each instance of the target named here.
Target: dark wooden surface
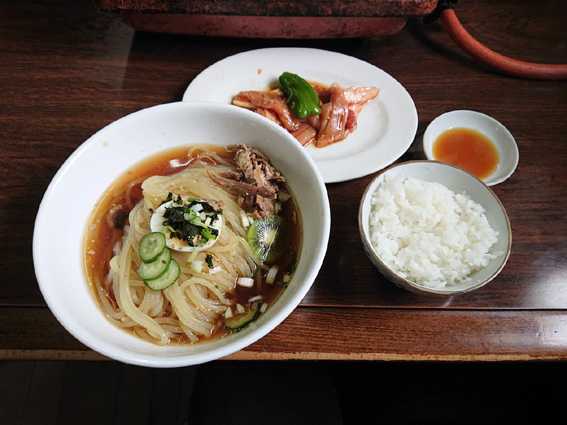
(68, 70)
(341, 334)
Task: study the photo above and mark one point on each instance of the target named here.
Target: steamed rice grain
(428, 233)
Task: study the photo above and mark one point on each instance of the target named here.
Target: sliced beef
(256, 182)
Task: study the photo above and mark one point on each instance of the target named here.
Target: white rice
(429, 234)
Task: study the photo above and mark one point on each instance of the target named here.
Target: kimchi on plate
(315, 114)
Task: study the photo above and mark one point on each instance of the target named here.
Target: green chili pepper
(301, 97)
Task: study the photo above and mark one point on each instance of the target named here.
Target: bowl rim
(183, 359)
(509, 140)
(407, 283)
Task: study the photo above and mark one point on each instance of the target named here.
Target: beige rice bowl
(429, 234)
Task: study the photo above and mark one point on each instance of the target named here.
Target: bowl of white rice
(433, 228)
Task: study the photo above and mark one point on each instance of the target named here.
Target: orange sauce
(468, 149)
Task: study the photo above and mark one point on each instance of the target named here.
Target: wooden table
(68, 70)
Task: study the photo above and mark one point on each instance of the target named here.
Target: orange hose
(515, 67)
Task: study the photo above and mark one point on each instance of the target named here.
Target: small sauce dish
(488, 127)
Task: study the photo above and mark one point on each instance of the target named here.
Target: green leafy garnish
(186, 224)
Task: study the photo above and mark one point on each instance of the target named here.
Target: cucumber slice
(151, 246)
(239, 321)
(157, 267)
(167, 279)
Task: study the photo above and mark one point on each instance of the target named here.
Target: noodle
(189, 309)
(152, 304)
(185, 312)
(202, 297)
(124, 297)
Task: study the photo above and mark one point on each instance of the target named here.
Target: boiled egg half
(188, 224)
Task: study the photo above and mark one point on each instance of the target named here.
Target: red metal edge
(265, 26)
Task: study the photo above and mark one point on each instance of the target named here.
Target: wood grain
(341, 334)
(69, 70)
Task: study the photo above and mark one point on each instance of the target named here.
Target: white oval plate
(386, 126)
